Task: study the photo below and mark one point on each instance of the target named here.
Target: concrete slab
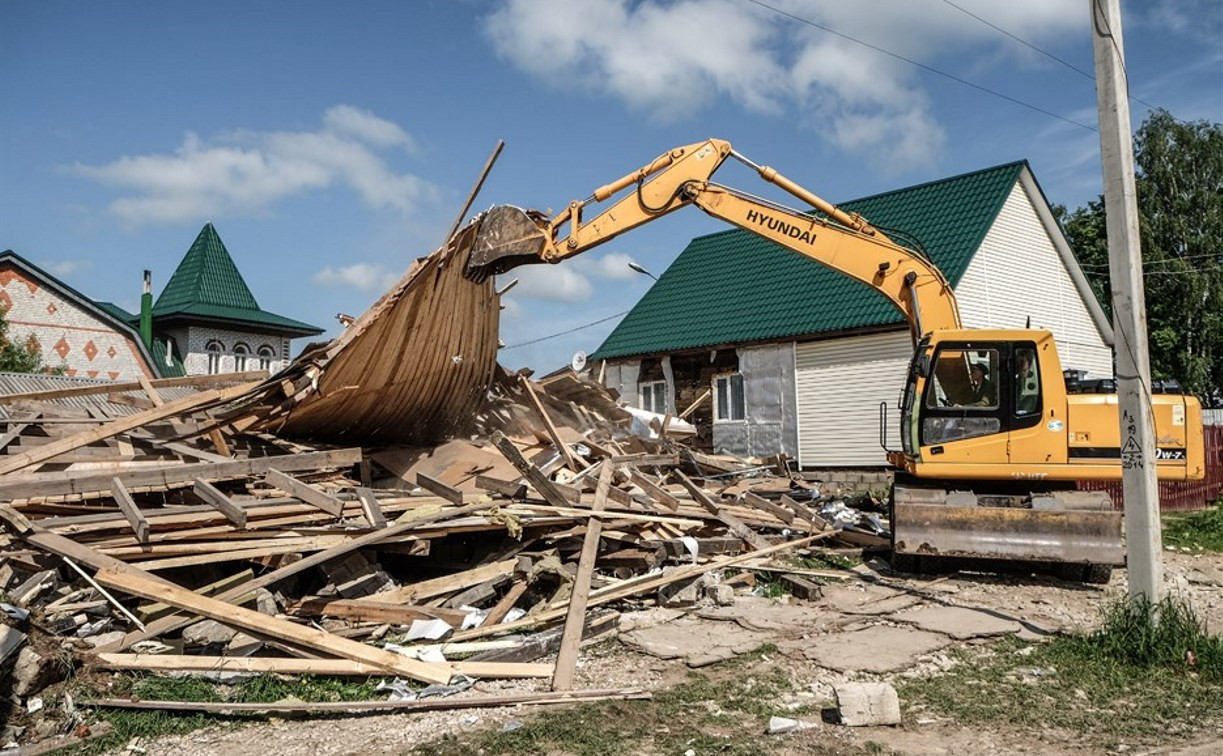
(770, 615)
(880, 648)
(697, 643)
(867, 704)
(959, 622)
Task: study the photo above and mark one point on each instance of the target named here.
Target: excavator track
(1076, 534)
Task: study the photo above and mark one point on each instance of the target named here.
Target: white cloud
(550, 283)
(361, 276)
(669, 59)
(245, 172)
(615, 265)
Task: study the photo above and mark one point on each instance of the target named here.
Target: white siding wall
(1020, 273)
(840, 383)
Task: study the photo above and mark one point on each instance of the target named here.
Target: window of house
(728, 397)
(654, 396)
(215, 349)
(266, 355)
(241, 354)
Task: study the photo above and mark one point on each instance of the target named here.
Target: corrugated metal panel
(1212, 417)
(840, 383)
(23, 383)
(1018, 274)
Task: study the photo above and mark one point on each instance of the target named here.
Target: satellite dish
(578, 363)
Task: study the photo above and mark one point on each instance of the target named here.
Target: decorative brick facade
(192, 343)
(68, 334)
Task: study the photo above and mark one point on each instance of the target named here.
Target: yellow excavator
(992, 441)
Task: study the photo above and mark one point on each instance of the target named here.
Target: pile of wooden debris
(154, 537)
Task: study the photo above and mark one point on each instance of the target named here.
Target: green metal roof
(735, 287)
(207, 286)
(119, 312)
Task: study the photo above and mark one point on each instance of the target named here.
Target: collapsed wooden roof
(413, 369)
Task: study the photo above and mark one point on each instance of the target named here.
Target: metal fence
(1177, 496)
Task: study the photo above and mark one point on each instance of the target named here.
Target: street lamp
(642, 270)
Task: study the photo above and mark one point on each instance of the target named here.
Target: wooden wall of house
(694, 374)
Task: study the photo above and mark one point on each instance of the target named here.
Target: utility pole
(1133, 362)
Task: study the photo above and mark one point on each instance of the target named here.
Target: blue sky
(331, 143)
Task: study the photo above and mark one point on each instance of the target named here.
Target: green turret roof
(207, 286)
(735, 287)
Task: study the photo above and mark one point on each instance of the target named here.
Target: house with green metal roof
(210, 320)
(781, 354)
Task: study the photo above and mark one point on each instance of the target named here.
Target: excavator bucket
(1065, 530)
(507, 237)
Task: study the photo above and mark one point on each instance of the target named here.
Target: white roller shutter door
(840, 383)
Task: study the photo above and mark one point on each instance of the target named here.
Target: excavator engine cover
(1071, 527)
(507, 237)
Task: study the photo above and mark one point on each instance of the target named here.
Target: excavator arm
(509, 236)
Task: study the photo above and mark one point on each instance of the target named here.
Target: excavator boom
(509, 236)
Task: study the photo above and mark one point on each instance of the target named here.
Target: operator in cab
(982, 391)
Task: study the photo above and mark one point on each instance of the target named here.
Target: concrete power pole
(1133, 362)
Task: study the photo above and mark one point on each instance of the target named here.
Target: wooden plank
(370, 508)
(433, 485)
(17, 426)
(652, 489)
(695, 403)
(168, 475)
(424, 589)
(150, 612)
(570, 458)
(312, 496)
(119, 425)
(512, 489)
(425, 704)
(567, 657)
(191, 663)
(373, 611)
(149, 390)
(214, 497)
(95, 389)
(140, 525)
(219, 443)
(538, 480)
(503, 607)
(737, 526)
(261, 625)
(168, 624)
(755, 500)
(805, 512)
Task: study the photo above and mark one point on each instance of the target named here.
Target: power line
(563, 333)
(922, 66)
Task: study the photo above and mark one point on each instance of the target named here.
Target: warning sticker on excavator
(1178, 414)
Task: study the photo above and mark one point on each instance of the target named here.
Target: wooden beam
(370, 508)
(533, 474)
(191, 663)
(737, 526)
(425, 704)
(503, 607)
(373, 611)
(423, 589)
(174, 473)
(307, 493)
(567, 657)
(570, 459)
(805, 512)
(214, 497)
(433, 485)
(119, 425)
(140, 525)
(149, 390)
(17, 426)
(782, 513)
(263, 626)
(511, 488)
(653, 490)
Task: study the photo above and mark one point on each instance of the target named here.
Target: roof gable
(206, 285)
(736, 287)
(206, 275)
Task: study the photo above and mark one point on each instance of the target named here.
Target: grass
(130, 723)
(1195, 531)
(1133, 681)
(723, 710)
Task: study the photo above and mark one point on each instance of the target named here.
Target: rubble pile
(153, 536)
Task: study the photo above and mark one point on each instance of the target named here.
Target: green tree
(1179, 175)
(17, 358)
